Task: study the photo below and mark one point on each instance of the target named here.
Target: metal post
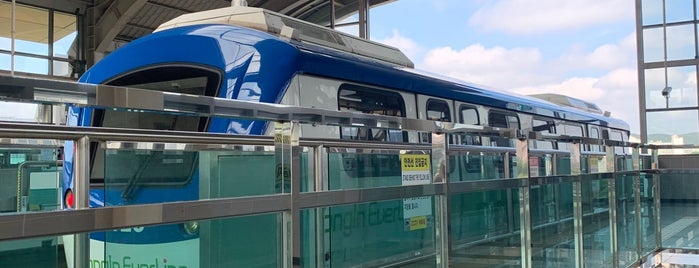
(507, 170)
(288, 178)
(332, 14)
(575, 170)
(81, 169)
(635, 158)
(609, 163)
(319, 160)
(548, 165)
(364, 19)
(657, 210)
(12, 37)
(440, 168)
(524, 202)
(637, 214)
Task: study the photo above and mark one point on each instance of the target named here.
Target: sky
(581, 48)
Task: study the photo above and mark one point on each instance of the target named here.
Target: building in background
(666, 32)
(43, 41)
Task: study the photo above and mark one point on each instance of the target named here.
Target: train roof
(292, 56)
(291, 28)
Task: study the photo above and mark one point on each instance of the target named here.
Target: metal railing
(516, 180)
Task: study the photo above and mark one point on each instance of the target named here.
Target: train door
(376, 229)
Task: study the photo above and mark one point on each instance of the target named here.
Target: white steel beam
(113, 21)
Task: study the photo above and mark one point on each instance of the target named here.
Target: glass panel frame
(680, 42)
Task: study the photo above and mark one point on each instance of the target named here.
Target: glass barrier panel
(679, 210)
(162, 174)
(485, 229)
(474, 166)
(33, 252)
(250, 241)
(394, 232)
(359, 170)
(626, 220)
(563, 165)
(646, 161)
(585, 163)
(597, 250)
(30, 178)
(552, 225)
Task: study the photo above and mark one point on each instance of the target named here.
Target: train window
(152, 167)
(594, 133)
(617, 136)
(573, 130)
(438, 110)
(570, 130)
(177, 79)
(503, 120)
(469, 115)
(371, 101)
(544, 126)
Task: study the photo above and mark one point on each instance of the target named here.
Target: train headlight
(69, 199)
(191, 228)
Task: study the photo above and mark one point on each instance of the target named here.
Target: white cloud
(612, 84)
(535, 16)
(498, 67)
(605, 57)
(616, 92)
(407, 45)
(578, 87)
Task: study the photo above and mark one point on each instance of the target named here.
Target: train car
(255, 55)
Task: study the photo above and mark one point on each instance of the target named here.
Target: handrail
(59, 132)
(90, 95)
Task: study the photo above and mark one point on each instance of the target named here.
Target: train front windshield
(131, 169)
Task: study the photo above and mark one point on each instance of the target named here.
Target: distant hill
(689, 138)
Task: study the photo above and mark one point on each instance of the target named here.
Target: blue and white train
(255, 55)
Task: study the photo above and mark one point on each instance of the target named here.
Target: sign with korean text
(417, 211)
(415, 169)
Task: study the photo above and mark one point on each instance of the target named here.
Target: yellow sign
(415, 169)
(415, 162)
(417, 223)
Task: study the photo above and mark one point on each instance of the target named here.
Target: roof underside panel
(155, 12)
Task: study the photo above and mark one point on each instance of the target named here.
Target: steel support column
(522, 147)
(575, 170)
(288, 179)
(81, 187)
(609, 165)
(440, 168)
